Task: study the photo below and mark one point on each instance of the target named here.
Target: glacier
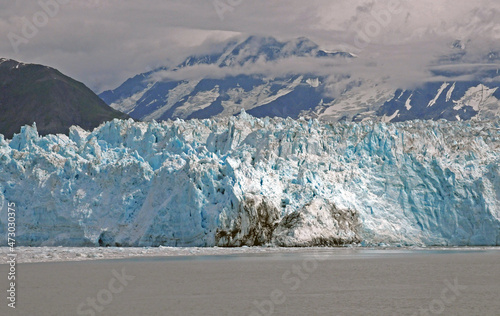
(246, 181)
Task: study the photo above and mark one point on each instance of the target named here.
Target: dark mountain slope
(35, 93)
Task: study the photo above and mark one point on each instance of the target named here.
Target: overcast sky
(104, 42)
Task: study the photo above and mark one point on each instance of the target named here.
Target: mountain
(245, 181)
(450, 101)
(35, 93)
(145, 97)
(248, 74)
(475, 98)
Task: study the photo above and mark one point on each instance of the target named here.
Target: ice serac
(246, 181)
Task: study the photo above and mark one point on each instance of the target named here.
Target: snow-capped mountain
(476, 98)
(245, 181)
(146, 97)
(249, 74)
(451, 101)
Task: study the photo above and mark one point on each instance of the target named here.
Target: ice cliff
(246, 181)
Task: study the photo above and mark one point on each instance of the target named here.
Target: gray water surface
(325, 282)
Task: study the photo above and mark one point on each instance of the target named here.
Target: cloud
(272, 69)
(104, 42)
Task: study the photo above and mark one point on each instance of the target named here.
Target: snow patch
(440, 91)
(475, 97)
(313, 82)
(127, 105)
(450, 92)
(408, 102)
(174, 96)
(387, 119)
(197, 102)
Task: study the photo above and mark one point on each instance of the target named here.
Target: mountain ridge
(146, 99)
(240, 78)
(35, 93)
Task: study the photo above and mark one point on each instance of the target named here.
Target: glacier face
(246, 181)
